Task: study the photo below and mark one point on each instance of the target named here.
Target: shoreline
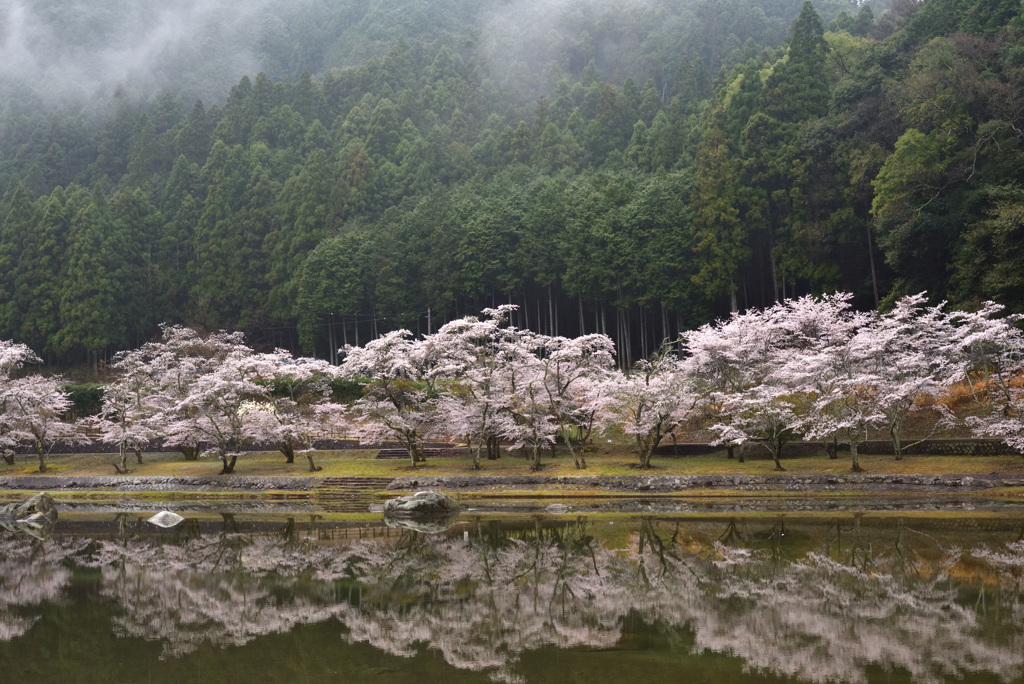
(537, 486)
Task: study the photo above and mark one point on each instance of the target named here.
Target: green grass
(605, 460)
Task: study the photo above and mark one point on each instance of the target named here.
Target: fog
(86, 47)
(201, 48)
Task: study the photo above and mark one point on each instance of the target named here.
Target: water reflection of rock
(433, 524)
(817, 605)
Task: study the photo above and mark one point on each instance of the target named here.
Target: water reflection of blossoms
(815, 602)
(31, 575)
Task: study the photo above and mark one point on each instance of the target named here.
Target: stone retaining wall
(157, 484)
(869, 483)
(929, 447)
(681, 483)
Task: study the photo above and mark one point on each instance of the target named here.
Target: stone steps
(402, 453)
(348, 494)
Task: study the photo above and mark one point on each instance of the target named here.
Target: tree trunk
(897, 441)
(535, 465)
(665, 335)
(9, 457)
(312, 466)
(191, 453)
(474, 452)
(643, 333)
(628, 338)
(644, 448)
(123, 468)
(138, 456)
(855, 464)
(832, 448)
(871, 261)
(552, 328)
(577, 457)
(776, 454)
(775, 280)
(42, 456)
(288, 449)
(415, 449)
(229, 463)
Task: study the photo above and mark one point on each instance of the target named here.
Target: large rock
(421, 504)
(36, 516)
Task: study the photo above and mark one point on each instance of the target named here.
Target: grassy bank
(609, 460)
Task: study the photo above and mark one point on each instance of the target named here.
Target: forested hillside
(317, 173)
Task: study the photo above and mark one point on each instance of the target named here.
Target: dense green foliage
(631, 169)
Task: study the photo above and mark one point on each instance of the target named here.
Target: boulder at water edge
(421, 503)
(36, 516)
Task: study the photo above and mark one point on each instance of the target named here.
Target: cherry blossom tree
(298, 409)
(220, 406)
(915, 357)
(474, 355)
(732, 366)
(576, 374)
(13, 356)
(130, 404)
(39, 403)
(501, 382)
(828, 357)
(399, 396)
(992, 354)
(175, 363)
(652, 400)
(533, 427)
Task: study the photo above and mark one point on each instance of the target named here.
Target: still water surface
(826, 597)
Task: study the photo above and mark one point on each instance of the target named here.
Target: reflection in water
(818, 600)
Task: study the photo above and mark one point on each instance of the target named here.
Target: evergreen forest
(316, 173)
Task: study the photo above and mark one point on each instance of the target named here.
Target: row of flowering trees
(209, 395)
(810, 367)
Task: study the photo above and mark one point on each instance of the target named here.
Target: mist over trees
(317, 174)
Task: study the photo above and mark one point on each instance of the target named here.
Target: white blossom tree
(297, 409)
(474, 355)
(915, 357)
(175, 363)
(399, 396)
(576, 374)
(733, 366)
(528, 420)
(651, 400)
(829, 358)
(130, 404)
(220, 406)
(13, 356)
(992, 355)
(39, 404)
(499, 382)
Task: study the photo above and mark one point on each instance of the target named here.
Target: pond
(841, 596)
